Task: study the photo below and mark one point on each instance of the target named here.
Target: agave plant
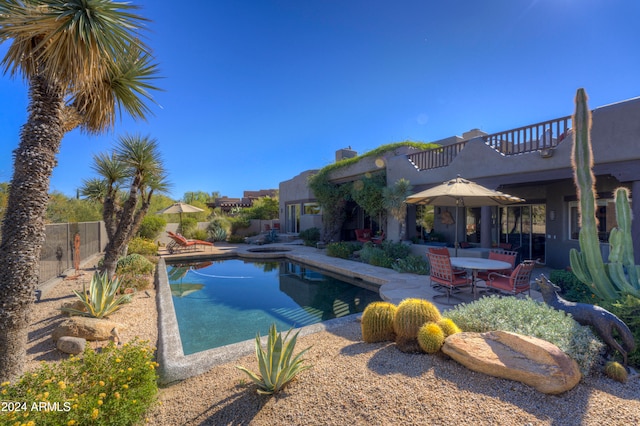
(102, 298)
(277, 368)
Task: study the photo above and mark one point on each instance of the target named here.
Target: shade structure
(180, 208)
(460, 192)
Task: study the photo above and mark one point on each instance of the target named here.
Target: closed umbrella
(180, 208)
(460, 192)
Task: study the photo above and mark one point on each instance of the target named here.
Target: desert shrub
(187, 226)
(238, 222)
(142, 246)
(572, 288)
(236, 239)
(530, 318)
(395, 250)
(343, 249)
(376, 256)
(412, 264)
(310, 236)
(101, 299)
(628, 310)
(115, 386)
(200, 234)
(151, 226)
(134, 263)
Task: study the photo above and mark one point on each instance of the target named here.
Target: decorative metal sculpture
(603, 322)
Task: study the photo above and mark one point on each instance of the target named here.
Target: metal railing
(535, 137)
(436, 157)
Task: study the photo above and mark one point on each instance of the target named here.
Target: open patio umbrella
(180, 208)
(460, 192)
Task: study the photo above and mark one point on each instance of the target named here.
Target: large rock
(529, 360)
(87, 328)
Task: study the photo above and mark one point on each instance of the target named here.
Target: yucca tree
(136, 165)
(83, 62)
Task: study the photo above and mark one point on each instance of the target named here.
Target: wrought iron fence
(60, 246)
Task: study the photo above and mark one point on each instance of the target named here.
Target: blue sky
(256, 92)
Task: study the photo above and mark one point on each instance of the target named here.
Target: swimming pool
(218, 303)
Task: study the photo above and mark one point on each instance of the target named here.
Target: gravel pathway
(353, 383)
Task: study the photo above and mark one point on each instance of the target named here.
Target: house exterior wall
(539, 179)
(297, 191)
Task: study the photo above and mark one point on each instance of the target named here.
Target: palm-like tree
(394, 200)
(84, 62)
(135, 164)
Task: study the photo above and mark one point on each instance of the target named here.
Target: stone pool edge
(175, 365)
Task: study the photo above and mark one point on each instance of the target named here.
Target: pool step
(300, 316)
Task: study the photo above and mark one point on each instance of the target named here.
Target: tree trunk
(23, 228)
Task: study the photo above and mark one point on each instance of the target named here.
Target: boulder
(529, 360)
(87, 328)
(71, 345)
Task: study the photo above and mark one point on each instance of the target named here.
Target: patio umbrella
(180, 208)
(460, 192)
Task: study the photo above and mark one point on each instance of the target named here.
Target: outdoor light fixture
(552, 214)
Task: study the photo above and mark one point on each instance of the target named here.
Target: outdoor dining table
(475, 264)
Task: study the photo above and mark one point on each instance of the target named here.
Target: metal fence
(59, 249)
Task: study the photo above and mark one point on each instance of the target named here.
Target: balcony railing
(436, 157)
(535, 137)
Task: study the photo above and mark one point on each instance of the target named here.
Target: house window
(605, 213)
(311, 208)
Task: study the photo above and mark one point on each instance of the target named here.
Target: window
(311, 208)
(605, 213)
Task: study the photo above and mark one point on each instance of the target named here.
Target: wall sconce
(552, 215)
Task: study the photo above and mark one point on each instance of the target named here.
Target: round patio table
(475, 264)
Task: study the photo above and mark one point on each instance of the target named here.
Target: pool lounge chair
(179, 243)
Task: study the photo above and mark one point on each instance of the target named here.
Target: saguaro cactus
(620, 275)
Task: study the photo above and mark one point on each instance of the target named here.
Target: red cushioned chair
(518, 281)
(443, 274)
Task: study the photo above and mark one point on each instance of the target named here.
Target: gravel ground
(351, 382)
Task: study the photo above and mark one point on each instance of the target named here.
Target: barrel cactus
(616, 371)
(377, 322)
(410, 316)
(448, 326)
(620, 275)
(431, 337)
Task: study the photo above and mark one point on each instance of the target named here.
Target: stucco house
(531, 162)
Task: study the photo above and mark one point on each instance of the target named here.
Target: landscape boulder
(87, 328)
(529, 360)
(71, 345)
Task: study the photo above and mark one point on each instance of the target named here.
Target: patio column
(635, 224)
(485, 226)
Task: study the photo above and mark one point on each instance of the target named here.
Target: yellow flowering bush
(91, 389)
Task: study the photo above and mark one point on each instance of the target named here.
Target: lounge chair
(180, 243)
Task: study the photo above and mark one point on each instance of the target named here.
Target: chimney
(343, 153)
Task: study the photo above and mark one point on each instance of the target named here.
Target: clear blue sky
(258, 91)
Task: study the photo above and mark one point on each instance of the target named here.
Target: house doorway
(524, 227)
(293, 218)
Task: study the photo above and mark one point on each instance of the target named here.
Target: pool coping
(176, 366)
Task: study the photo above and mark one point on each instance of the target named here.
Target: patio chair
(516, 282)
(444, 276)
(503, 255)
(363, 235)
(180, 243)
(378, 239)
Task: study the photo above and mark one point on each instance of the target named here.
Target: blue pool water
(222, 302)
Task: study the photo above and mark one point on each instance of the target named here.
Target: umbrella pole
(455, 243)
